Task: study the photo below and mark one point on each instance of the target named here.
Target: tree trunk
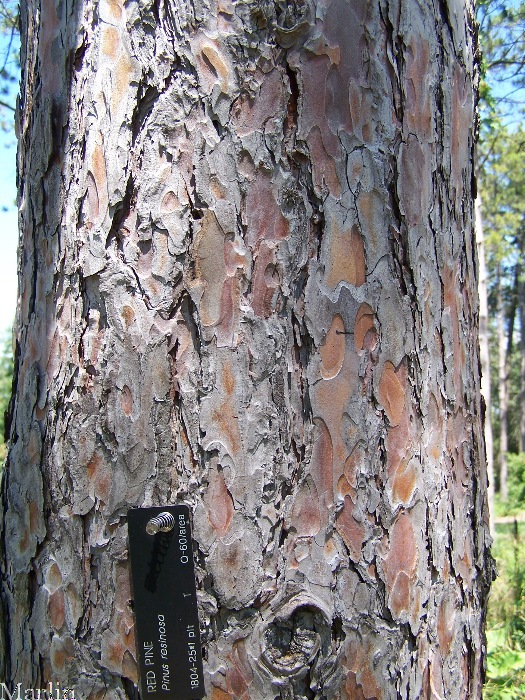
(521, 307)
(248, 283)
(522, 383)
(502, 394)
(485, 356)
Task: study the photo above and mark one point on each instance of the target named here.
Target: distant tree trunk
(248, 283)
(511, 316)
(485, 356)
(521, 312)
(502, 392)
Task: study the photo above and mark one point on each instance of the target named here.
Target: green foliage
(6, 379)
(9, 61)
(502, 40)
(502, 182)
(506, 616)
(516, 484)
(514, 402)
(502, 185)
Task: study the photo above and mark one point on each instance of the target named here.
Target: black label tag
(165, 604)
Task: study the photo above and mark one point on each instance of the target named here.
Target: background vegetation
(501, 184)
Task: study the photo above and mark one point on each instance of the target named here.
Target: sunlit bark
(248, 282)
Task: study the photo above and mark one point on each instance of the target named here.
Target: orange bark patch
(314, 76)
(265, 281)
(98, 165)
(23, 542)
(365, 332)
(446, 621)
(436, 677)
(399, 600)
(49, 30)
(110, 42)
(35, 516)
(213, 67)
(121, 80)
(127, 400)
(404, 483)
(329, 403)
(353, 690)
(265, 221)
(333, 349)
(340, 16)
(210, 267)
(170, 203)
(228, 425)
(93, 466)
(129, 667)
(56, 609)
(347, 257)
(251, 112)
(461, 121)
(452, 302)
(415, 180)
(233, 555)
(418, 113)
(217, 189)
(400, 564)
(228, 379)
(118, 643)
(353, 465)
(225, 415)
(305, 516)
(463, 561)
(230, 299)
(392, 394)
(93, 204)
(58, 660)
(400, 450)
(218, 694)
(53, 578)
(320, 47)
(359, 100)
(322, 464)
(344, 488)
(360, 681)
(123, 596)
(128, 315)
(325, 81)
(239, 675)
(323, 165)
(62, 652)
(115, 7)
(112, 651)
(74, 603)
(219, 503)
(352, 531)
(434, 424)
(100, 477)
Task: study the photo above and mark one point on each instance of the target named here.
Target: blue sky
(8, 234)
(8, 213)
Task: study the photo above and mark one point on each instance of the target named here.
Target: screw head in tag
(164, 522)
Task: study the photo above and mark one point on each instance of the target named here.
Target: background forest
(501, 247)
